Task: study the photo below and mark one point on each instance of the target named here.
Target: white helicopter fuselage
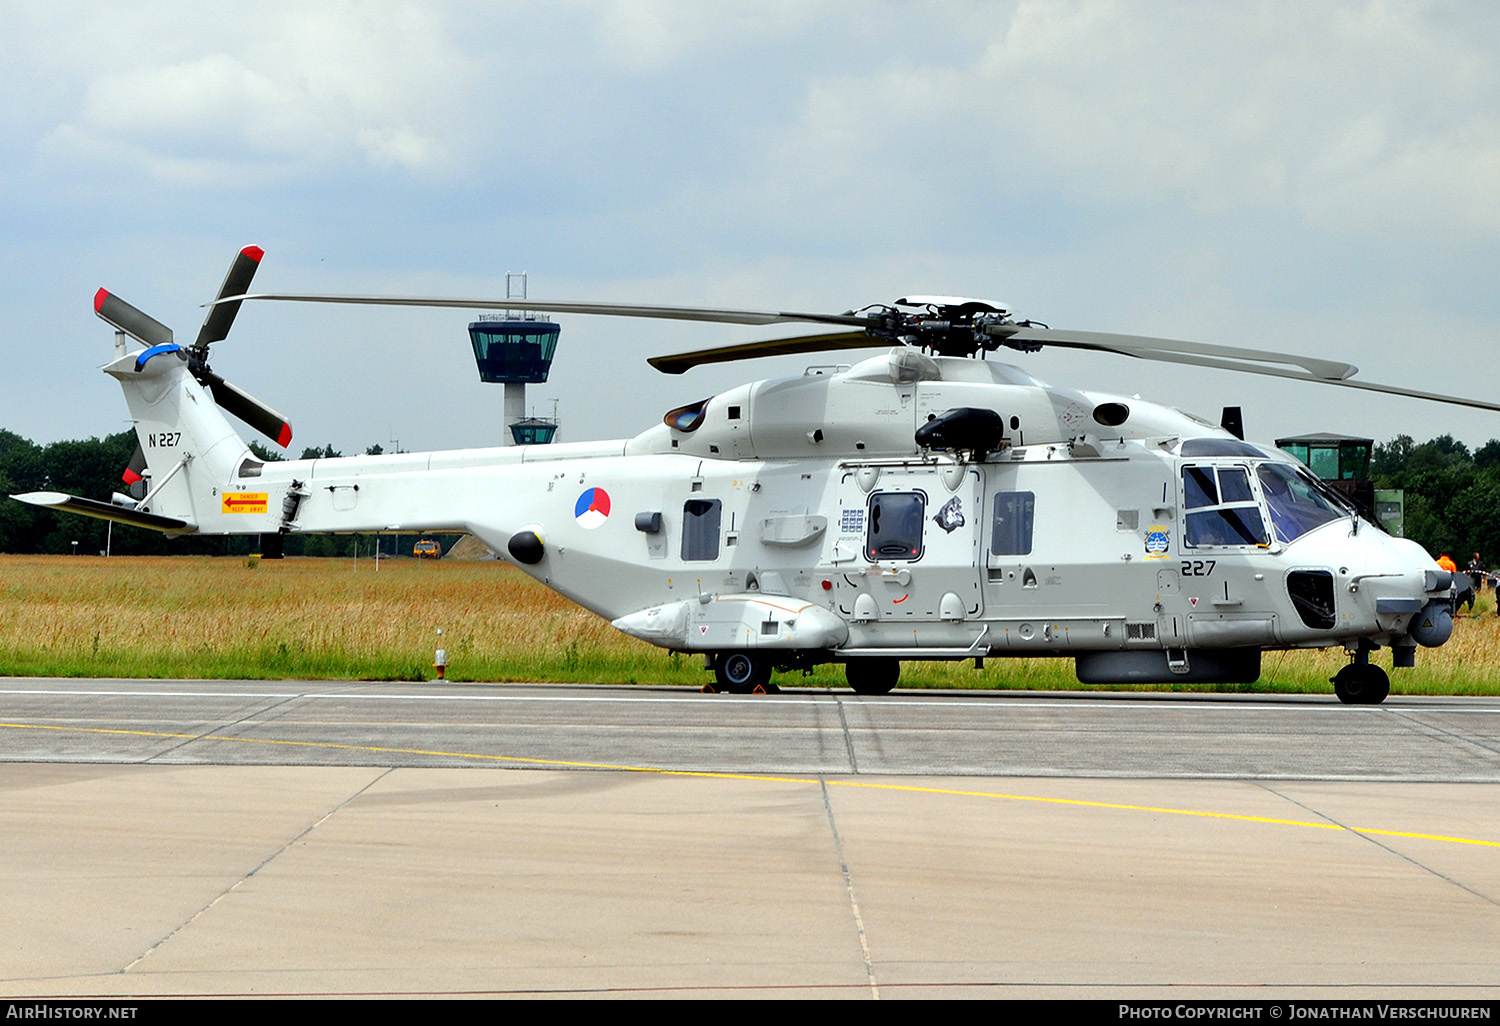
(799, 519)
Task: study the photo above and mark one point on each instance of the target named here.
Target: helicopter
(922, 503)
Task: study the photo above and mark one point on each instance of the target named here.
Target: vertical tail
(190, 449)
(188, 454)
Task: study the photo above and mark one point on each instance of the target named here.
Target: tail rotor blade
(251, 410)
(221, 315)
(137, 464)
(134, 475)
(120, 315)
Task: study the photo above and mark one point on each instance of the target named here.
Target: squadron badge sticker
(1158, 540)
(592, 508)
(951, 516)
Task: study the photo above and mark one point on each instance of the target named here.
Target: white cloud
(651, 35)
(208, 96)
(1251, 174)
(1357, 117)
(400, 146)
(1332, 108)
(312, 87)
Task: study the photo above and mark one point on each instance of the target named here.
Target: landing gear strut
(1361, 682)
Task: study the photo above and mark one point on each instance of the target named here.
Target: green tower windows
(514, 351)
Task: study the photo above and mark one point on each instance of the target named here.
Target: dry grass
(219, 617)
(204, 617)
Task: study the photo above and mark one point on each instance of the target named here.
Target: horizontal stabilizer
(104, 511)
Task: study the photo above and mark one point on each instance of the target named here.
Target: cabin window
(700, 529)
(1221, 507)
(894, 526)
(1010, 528)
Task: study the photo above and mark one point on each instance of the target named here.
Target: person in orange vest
(1465, 589)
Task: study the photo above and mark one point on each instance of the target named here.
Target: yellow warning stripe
(765, 778)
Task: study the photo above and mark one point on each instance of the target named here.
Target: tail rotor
(152, 333)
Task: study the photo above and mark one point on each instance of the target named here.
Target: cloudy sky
(1320, 178)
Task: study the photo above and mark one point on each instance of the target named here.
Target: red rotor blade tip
(99, 298)
(253, 252)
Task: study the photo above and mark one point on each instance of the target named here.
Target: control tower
(1344, 462)
(515, 348)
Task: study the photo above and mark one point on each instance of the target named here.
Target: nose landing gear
(1361, 682)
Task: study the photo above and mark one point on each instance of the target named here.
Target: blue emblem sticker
(1158, 540)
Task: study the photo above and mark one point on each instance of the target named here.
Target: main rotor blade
(838, 340)
(120, 315)
(1248, 361)
(1148, 347)
(221, 314)
(249, 409)
(667, 313)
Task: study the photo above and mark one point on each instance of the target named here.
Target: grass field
(204, 617)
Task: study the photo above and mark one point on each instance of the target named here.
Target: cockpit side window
(1221, 507)
(1198, 488)
(894, 526)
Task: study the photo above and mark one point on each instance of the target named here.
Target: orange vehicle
(426, 549)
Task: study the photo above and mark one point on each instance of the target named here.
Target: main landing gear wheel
(872, 676)
(742, 672)
(1361, 684)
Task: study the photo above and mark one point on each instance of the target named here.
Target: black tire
(1361, 684)
(872, 676)
(742, 672)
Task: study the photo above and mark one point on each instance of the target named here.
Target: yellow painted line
(764, 778)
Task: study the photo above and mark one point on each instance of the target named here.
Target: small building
(534, 430)
(1344, 462)
(1332, 457)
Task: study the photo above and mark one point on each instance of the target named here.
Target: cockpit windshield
(1297, 502)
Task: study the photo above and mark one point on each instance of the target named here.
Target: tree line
(92, 467)
(1452, 500)
(1452, 494)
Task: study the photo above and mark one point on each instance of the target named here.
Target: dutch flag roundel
(592, 508)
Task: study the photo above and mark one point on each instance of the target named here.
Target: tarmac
(296, 839)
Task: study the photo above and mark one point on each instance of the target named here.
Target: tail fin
(189, 446)
(187, 452)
